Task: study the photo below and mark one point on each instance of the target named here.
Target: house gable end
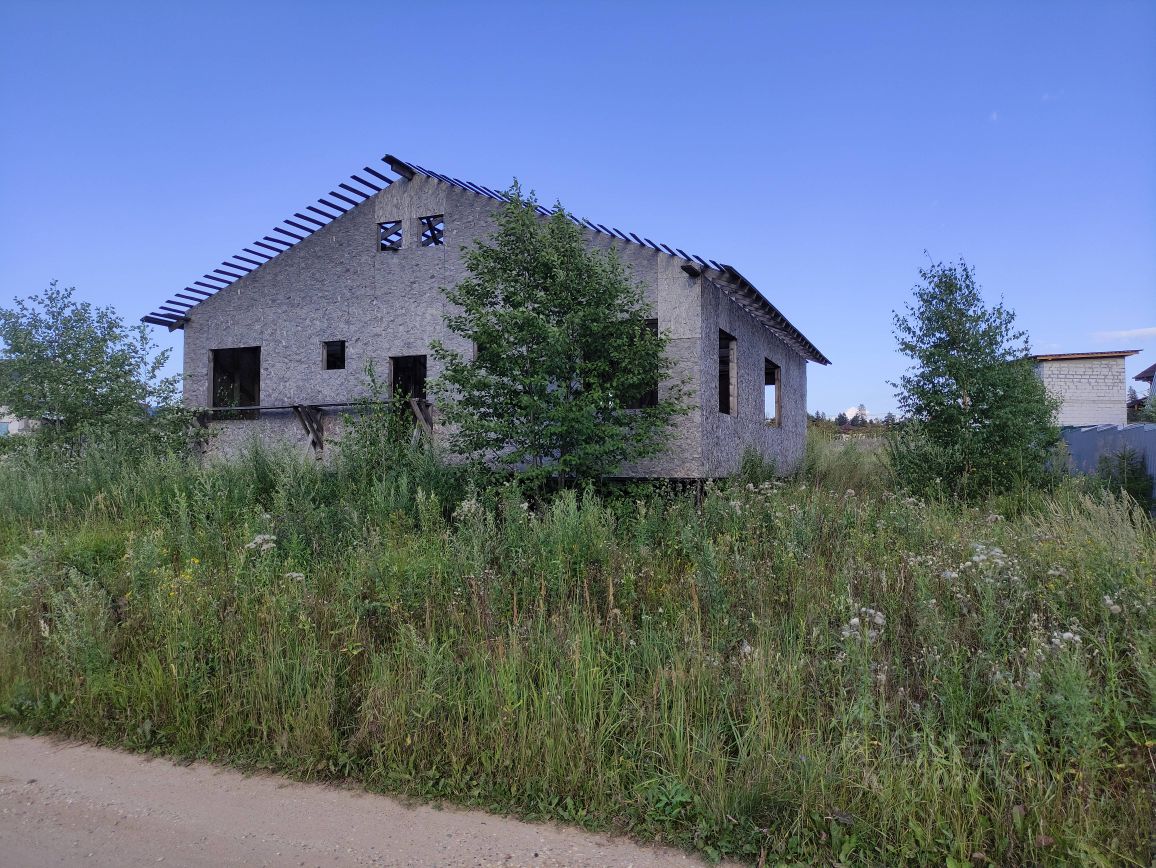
(422, 190)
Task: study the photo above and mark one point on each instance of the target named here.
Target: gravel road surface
(72, 804)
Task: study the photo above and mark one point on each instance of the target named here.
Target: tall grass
(811, 669)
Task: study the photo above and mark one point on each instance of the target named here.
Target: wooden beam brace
(312, 421)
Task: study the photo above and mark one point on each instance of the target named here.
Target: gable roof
(174, 312)
(1146, 375)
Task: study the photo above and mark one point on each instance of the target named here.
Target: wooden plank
(378, 175)
(312, 220)
(353, 190)
(340, 196)
(308, 230)
(369, 184)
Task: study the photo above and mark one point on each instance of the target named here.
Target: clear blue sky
(818, 147)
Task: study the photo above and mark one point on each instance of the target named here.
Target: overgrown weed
(808, 669)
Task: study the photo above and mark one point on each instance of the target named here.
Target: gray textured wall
(725, 438)
(337, 285)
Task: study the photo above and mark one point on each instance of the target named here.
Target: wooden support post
(422, 414)
(312, 421)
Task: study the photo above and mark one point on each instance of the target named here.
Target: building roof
(1106, 354)
(1146, 375)
(372, 180)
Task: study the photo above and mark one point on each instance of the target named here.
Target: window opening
(3, 429)
(727, 373)
(389, 235)
(433, 230)
(649, 398)
(236, 379)
(409, 376)
(334, 355)
(771, 393)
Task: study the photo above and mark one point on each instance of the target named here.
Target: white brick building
(1091, 386)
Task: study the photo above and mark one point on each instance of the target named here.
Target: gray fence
(1086, 445)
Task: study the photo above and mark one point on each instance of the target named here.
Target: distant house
(9, 424)
(277, 338)
(1090, 386)
(1141, 401)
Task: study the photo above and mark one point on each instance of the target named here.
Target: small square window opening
(771, 392)
(433, 230)
(727, 373)
(333, 355)
(389, 235)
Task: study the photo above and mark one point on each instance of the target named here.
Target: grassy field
(798, 670)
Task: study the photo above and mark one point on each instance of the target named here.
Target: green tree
(981, 420)
(82, 372)
(1148, 411)
(564, 380)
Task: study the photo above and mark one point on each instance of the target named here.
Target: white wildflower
(262, 542)
(1063, 638)
(468, 508)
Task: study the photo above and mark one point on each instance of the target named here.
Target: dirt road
(69, 804)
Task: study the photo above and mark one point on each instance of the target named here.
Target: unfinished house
(1090, 386)
(278, 336)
